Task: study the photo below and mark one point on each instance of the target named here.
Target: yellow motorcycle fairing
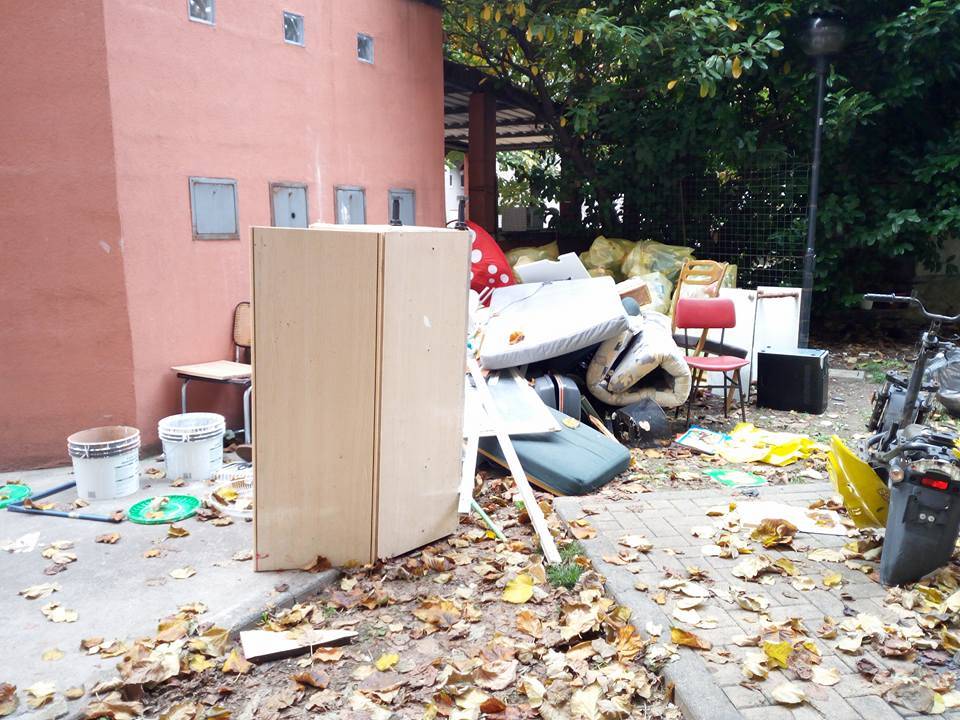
(864, 494)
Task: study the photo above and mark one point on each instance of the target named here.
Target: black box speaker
(793, 380)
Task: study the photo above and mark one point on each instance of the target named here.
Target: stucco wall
(235, 101)
(65, 350)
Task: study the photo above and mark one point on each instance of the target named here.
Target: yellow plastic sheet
(751, 444)
(864, 494)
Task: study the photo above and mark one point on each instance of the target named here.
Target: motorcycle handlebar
(903, 299)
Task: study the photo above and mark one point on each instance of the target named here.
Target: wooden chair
(706, 274)
(709, 313)
(228, 372)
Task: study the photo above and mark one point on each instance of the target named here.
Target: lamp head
(824, 35)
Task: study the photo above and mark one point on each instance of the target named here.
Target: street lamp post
(824, 37)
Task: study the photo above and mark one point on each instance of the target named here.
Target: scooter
(919, 465)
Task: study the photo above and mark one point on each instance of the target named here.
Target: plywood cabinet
(358, 367)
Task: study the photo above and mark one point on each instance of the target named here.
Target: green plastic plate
(177, 507)
(13, 494)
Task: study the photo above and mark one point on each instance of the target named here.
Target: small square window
(202, 11)
(351, 205)
(365, 48)
(213, 206)
(292, 28)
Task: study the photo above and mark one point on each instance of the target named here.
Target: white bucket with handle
(106, 461)
(192, 445)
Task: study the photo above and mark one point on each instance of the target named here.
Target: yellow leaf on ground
(387, 661)
(52, 654)
(236, 663)
(519, 590)
(832, 579)
(175, 531)
(39, 694)
(779, 653)
(688, 639)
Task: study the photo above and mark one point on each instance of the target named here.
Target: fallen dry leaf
(175, 531)
(826, 676)
(637, 542)
(778, 653)
(55, 612)
(386, 661)
(8, 699)
(688, 639)
(529, 622)
(755, 666)
(182, 573)
(582, 530)
(519, 590)
(327, 654)
(52, 655)
(318, 565)
(774, 531)
(74, 693)
(236, 663)
(35, 592)
(832, 580)
(516, 337)
(108, 539)
(242, 555)
(39, 694)
(313, 678)
(788, 694)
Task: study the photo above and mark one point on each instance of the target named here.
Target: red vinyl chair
(710, 313)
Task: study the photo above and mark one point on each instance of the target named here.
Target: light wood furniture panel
(358, 369)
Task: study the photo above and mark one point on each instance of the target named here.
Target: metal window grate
(364, 48)
(202, 11)
(754, 217)
(292, 28)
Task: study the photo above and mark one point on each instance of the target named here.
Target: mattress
(539, 321)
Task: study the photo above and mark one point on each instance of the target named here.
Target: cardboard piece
(566, 267)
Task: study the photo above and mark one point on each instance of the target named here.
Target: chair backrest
(698, 278)
(706, 313)
(242, 325)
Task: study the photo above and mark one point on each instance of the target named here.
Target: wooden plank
(539, 522)
(425, 281)
(216, 370)
(263, 645)
(314, 308)
(521, 409)
(468, 472)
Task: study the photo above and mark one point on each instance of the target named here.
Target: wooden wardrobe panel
(425, 282)
(315, 301)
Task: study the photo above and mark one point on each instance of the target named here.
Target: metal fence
(754, 217)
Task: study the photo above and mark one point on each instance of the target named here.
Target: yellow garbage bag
(651, 256)
(524, 255)
(751, 444)
(607, 254)
(864, 494)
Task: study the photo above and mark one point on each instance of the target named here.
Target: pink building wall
(182, 99)
(66, 358)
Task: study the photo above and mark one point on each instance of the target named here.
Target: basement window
(203, 11)
(292, 28)
(364, 48)
(213, 206)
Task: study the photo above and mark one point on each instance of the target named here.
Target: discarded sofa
(642, 362)
(575, 461)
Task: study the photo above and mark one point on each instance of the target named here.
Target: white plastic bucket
(192, 445)
(106, 461)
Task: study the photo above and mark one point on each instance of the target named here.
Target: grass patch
(565, 574)
(876, 370)
(571, 551)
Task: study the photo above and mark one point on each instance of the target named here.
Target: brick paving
(666, 518)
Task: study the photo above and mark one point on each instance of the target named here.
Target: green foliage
(571, 551)
(639, 95)
(564, 575)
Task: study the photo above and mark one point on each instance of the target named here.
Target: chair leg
(743, 405)
(246, 414)
(183, 395)
(726, 404)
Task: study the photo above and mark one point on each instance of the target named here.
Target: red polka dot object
(488, 265)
